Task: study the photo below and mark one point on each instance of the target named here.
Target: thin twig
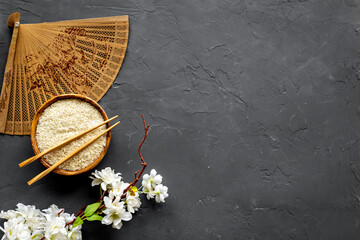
(143, 163)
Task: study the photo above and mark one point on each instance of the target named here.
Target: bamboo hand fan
(49, 59)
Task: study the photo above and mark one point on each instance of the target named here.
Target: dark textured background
(254, 114)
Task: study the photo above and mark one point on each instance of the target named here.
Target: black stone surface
(254, 114)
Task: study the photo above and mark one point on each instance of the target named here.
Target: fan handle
(13, 19)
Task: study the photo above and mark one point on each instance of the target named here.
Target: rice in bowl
(64, 119)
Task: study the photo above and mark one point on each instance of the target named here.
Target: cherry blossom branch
(138, 174)
(113, 207)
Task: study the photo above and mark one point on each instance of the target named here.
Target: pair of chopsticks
(44, 173)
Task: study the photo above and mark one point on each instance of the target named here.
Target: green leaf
(90, 209)
(78, 222)
(94, 217)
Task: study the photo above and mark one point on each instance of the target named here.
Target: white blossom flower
(33, 216)
(10, 214)
(68, 217)
(160, 193)
(28, 211)
(150, 181)
(133, 203)
(15, 230)
(132, 200)
(115, 211)
(53, 211)
(55, 228)
(75, 233)
(106, 178)
(56, 222)
(118, 188)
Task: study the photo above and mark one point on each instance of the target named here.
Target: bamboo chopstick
(44, 173)
(30, 160)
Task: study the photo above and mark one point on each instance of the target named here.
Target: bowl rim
(34, 126)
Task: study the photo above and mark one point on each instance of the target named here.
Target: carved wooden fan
(49, 59)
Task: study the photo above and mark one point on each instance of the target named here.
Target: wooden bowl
(35, 122)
